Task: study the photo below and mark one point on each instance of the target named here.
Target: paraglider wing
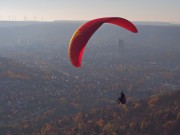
(83, 34)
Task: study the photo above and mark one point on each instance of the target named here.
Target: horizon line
(39, 21)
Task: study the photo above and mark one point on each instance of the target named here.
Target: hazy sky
(134, 10)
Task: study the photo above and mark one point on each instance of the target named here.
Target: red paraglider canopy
(83, 34)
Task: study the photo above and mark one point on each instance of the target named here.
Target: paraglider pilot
(122, 99)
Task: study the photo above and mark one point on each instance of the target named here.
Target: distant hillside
(4, 24)
(157, 23)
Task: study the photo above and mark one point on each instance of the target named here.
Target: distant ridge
(136, 22)
(25, 23)
(157, 23)
(17, 23)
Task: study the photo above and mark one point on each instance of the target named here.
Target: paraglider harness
(122, 98)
